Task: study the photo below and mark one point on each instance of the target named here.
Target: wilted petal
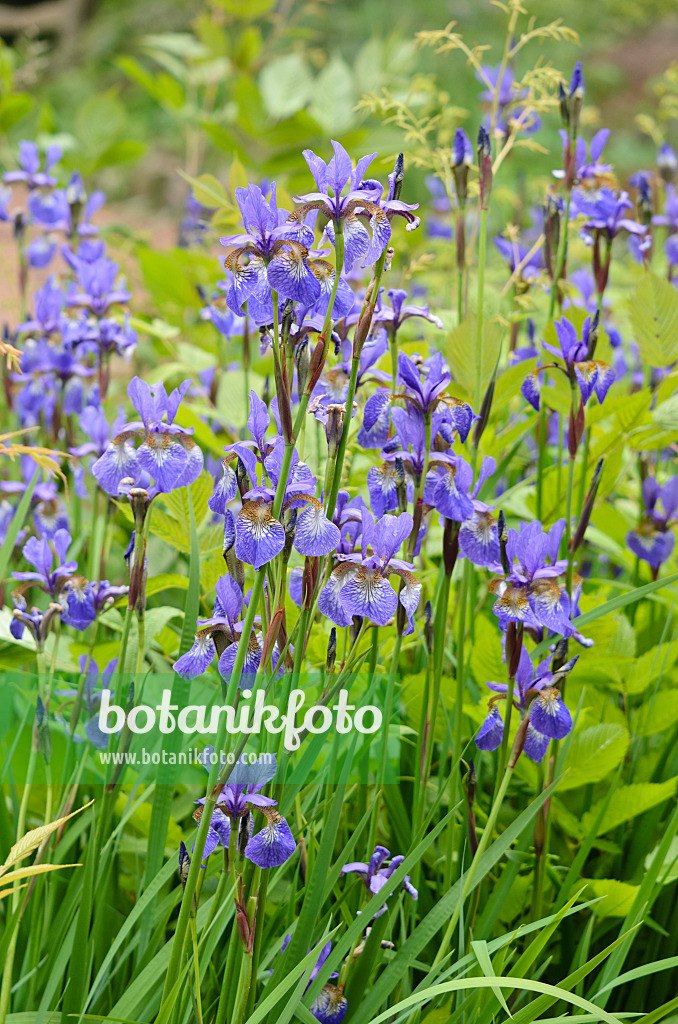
(275, 843)
(548, 714)
(258, 536)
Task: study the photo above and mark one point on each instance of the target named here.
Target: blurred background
(139, 92)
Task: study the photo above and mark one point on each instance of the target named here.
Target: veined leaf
(593, 754)
(628, 802)
(654, 318)
(462, 353)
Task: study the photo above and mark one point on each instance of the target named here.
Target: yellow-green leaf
(654, 318)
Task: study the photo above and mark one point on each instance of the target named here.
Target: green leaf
(628, 802)
(593, 754)
(462, 347)
(618, 896)
(668, 871)
(658, 714)
(286, 85)
(208, 191)
(654, 318)
(512, 984)
(333, 97)
(16, 522)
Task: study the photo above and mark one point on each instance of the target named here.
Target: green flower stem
(473, 866)
(196, 969)
(482, 255)
(390, 688)
(368, 311)
(6, 987)
(458, 720)
(216, 777)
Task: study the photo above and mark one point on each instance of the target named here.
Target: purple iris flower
(221, 316)
(239, 798)
(5, 199)
(49, 208)
(269, 255)
(394, 316)
(40, 252)
(587, 158)
(49, 304)
(259, 537)
(168, 453)
(40, 555)
(667, 161)
(423, 385)
(670, 216)
(31, 172)
(375, 874)
(604, 212)
(37, 622)
(332, 387)
(653, 540)
(49, 516)
(536, 693)
(478, 534)
(96, 284)
(533, 592)
(591, 375)
(92, 698)
(517, 255)
(360, 585)
(330, 1005)
(361, 202)
(509, 109)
